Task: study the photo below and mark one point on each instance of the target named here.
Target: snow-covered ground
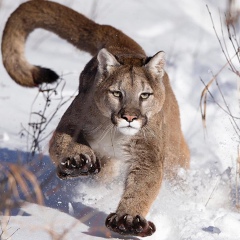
(203, 205)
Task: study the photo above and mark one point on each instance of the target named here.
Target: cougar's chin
(128, 131)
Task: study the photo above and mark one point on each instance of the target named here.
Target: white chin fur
(129, 129)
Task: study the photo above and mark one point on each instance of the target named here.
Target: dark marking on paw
(79, 165)
(129, 225)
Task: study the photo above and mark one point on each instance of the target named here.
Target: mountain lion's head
(129, 94)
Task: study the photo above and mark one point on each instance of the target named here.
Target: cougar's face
(129, 97)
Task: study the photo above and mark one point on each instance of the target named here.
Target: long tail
(66, 23)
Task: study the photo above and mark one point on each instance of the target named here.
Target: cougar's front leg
(72, 159)
(68, 148)
(142, 186)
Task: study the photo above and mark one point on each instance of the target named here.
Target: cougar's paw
(78, 165)
(130, 225)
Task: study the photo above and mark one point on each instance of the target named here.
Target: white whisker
(105, 132)
(96, 128)
(147, 130)
(113, 132)
(143, 133)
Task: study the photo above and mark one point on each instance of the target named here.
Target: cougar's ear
(106, 61)
(156, 64)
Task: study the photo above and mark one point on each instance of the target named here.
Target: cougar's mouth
(129, 128)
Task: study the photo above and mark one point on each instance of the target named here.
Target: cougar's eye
(145, 95)
(116, 94)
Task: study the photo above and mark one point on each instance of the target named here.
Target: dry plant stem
(232, 118)
(5, 229)
(203, 99)
(52, 115)
(225, 52)
(60, 236)
(219, 178)
(21, 177)
(214, 189)
(233, 12)
(236, 48)
(213, 25)
(238, 179)
(63, 235)
(18, 179)
(232, 36)
(35, 130)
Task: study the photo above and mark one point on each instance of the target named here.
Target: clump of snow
(4, 137)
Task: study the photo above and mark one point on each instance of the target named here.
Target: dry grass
(229, 44)
(238, 179)
(233, 13)
(17, 182)
(232, 36)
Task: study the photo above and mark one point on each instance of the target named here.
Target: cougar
(125, 110)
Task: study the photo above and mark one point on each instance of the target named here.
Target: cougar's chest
(110, 145)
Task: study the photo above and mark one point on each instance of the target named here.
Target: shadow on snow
(58, 194)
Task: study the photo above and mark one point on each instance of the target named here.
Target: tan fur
(125, 111)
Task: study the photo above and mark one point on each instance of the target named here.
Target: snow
(201, 204)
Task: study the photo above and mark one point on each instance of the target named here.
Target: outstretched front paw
(78, 165)
(130, 225)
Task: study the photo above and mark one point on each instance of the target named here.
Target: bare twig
(238, 179)
(36, 128)
(234, 120)
(4, 229)
(219, 179)
(203, 99)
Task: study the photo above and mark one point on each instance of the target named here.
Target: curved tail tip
(43, 75)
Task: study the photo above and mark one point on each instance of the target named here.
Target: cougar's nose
(129, 114)
(129, 118)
